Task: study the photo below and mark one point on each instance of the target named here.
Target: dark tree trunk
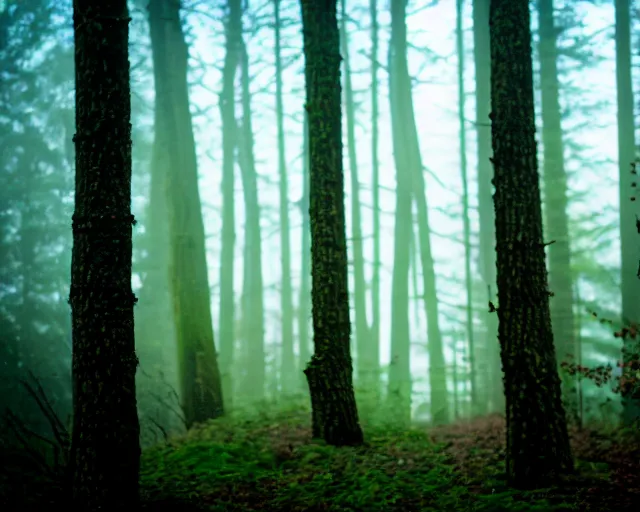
(330, 372)
(537, 440)
(105, 447)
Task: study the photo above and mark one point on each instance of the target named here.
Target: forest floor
(270, 463)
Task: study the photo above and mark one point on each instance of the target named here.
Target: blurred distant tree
(364, 349)
(253, 385)
(556, 201)
(200, 382)
(233, 36)
(287, 376)
(488, 361)
(408, 143)
(629, 200)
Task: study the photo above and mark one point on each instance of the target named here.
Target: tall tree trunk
(465, 207)
(532, 386)
(154, 319)
(233, 32)
(374, 332)
(399, 386)
(304, 304)
(330, 373)
(437, 369)
(105, 447)
(490, 367)
(556, 204)
(253, 301)
(363, 340)
(629, 210)
(287, 369)
(197, 359)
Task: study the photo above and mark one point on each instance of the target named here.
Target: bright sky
(431, 32)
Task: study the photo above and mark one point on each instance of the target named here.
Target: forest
(320, 255)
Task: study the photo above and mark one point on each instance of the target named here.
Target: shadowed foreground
(269, 462)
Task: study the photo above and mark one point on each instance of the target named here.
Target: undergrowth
(268, 462)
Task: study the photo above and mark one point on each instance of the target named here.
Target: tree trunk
(197, 360)
(465, 207)
(629, 210)
(556, 204)
(233, 31)
(407, 125)
(287, 376)
(154, 319)
(330, 373)
(489, 366)
(253, 301)
(374, 332)
(363, 340)
(537, 440)
(399, 386)
(105, 447)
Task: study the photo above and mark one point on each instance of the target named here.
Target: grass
(269, 462)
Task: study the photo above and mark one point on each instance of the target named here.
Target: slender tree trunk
(374, 332)
(629, 210)
(556, 204)
(399, 387)
(288, 378)
(197, 359)
(437, 369)
(330, 373)
(233, 31)
(537, 440)
(253, 301)
(363, 340)
(490, 367)
(304, 304)
(105, 447)
(465, 206)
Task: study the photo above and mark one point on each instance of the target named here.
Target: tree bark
(105, 447)
(199, 376)
(537, 440)
(330, 373)
(556, 204)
